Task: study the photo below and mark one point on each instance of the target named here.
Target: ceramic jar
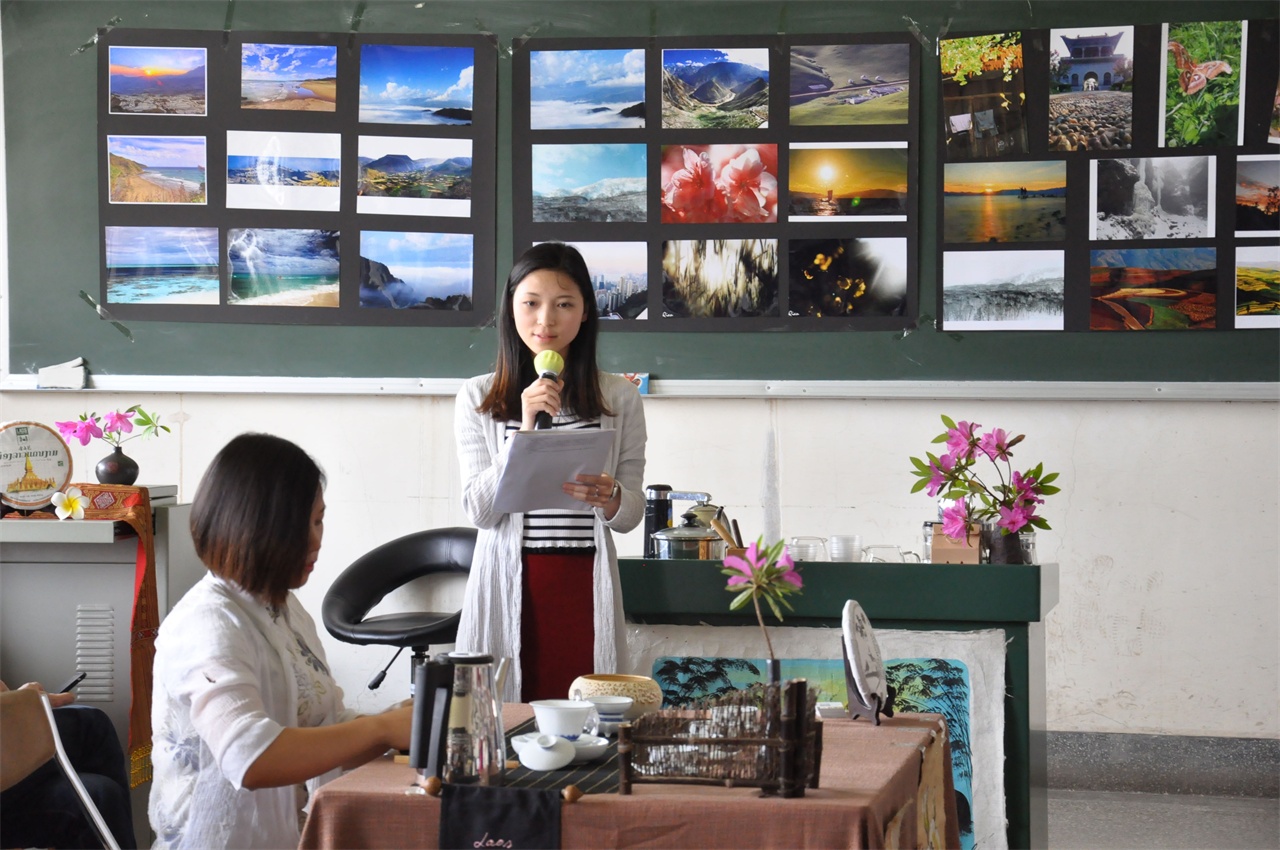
(645, 693)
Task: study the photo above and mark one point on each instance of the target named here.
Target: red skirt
(557, 629)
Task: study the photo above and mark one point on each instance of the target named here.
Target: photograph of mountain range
(300, 77)
(586, 89)
(721, 89)
(416, 84)
(291, 171)
(1137, 289)
(1002, 290)
(1004, 201)
(850, 84)
(863, 180)
(157, 80)
(589, 183)
(156, 169)
(416, 271)
(405, 175)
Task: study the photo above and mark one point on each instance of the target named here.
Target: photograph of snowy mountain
(409, 175)
(1168, 197)
(586, 89)
(721, 89)
(157, 81)
(1002, 291)
(589, 183)
(418, 271)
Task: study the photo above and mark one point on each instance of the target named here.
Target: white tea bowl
(564, 717)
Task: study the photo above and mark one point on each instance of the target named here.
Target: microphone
(548, 364)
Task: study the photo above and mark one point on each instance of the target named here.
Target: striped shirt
(553, 528)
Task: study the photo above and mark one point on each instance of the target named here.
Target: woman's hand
(542, 395)
(598, 491)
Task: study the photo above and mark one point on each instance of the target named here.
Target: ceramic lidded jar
(645, 693)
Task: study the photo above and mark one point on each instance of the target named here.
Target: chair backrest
(90, 808)
(25, 733)
(394, 564)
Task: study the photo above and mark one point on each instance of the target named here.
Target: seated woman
(244, 709)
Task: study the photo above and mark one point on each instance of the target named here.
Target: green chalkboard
(50, 85)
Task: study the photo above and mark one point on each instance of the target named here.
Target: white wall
(1166, 529)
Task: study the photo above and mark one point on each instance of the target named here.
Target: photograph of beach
(277, 267)
(1167, 197)
(619, 276)
(1091, 89)
(283, 171)
(410, 84)
(846, 278)
(417, 271)
(162, 265)
(720, 89)
(157, 81)
(586, 89)
(1258, 286)
(1002, 290)
(708, 184)
(589, 183)
(156, 169)
(1202, 58)
(1004, 202)
(862, 180)
(1139, 289)
(410, 175)
(720, 278)
(289, 76)
(850, 84)
(1257, 195)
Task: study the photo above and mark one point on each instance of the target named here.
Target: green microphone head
(548, 362)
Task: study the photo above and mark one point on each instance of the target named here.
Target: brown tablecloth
(884, 786)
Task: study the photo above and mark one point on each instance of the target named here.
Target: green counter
(922, 597)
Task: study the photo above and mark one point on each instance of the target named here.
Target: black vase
(117, 468)
(1003, 548)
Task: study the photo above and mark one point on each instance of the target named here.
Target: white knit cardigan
(491, 612)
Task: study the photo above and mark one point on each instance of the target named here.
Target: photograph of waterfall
(1152, 198)
(1140, 289)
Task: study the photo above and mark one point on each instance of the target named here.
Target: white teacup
(608, 712)
(564, 717)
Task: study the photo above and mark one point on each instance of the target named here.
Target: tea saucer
(588, 748)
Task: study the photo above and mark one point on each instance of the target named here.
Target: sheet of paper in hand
(538, 462)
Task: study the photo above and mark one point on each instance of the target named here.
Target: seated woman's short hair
(250, 519)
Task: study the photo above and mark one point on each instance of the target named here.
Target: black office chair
(361, 586)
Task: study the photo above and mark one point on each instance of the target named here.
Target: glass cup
(807, 548)
(845, 547)
(881, 553)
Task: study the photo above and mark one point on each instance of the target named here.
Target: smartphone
(79, 677)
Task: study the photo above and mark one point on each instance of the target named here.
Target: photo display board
(1110, 178)
(725, 183)
(297, 178)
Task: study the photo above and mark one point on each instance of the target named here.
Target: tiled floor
(1113, 820)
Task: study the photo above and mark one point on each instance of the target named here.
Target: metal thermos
(457, 720)
(657, 515)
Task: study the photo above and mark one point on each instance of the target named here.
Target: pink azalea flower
(955, 520)
(995, 444)
(692, 194)
(117, 421)
(1013, 518)
(68, 430)
(86, 430)
(748, 189)
(940, 469)
(960, 440)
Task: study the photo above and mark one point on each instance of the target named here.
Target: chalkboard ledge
(701, 388)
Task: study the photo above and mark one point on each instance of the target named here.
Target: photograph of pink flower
(720, 278)
(850, 84)
(863, 180)
(720, 89)
(846, 278)
(708, 184)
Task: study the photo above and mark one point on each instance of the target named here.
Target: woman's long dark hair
(514, 369)
(251, 517)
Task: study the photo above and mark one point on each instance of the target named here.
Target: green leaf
(777, 612)
(1052, 476)
(949, 422)
(741, 600)
(920, 485)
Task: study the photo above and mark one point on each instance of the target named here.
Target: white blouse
(230, 674)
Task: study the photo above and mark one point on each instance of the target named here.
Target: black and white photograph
(1167, 197)
(1002, 291)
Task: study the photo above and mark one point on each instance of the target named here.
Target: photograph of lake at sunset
(863, 180)
(1004, 202)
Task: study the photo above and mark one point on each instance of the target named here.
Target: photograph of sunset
(1004, 201)
(157, 80)
(1257, 195)
(862, 180)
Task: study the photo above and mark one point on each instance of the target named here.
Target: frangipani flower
(69, 504)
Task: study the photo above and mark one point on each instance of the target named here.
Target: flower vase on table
(117, 468)
(1001, 548)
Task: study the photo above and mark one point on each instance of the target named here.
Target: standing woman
(244, 710)
(543, 587)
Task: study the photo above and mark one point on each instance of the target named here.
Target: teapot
(457, 719)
